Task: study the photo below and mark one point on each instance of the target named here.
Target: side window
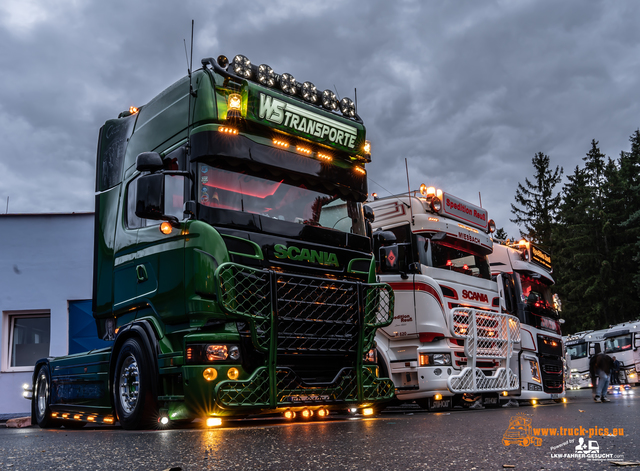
(133, 221)
(174, 196)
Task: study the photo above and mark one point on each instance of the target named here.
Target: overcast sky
(466, 91)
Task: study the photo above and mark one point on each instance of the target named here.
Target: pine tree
(538, 205)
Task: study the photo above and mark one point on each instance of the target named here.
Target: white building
(46, 271)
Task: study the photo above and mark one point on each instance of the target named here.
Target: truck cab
(523, 272)
(448, 337)
(580, 347)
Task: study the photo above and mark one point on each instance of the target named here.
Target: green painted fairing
(205, 250)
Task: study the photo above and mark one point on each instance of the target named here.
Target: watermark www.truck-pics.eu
(578, 445)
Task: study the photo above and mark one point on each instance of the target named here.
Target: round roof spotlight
(492, 226)
(223, 61)
(309, 92)
(288, 84)
(436, 204)
(241, 66)
(423, 189)
(329, 100)
(266, 75)
(347, 107)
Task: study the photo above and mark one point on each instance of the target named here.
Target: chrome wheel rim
(129, 384)
(42, 393)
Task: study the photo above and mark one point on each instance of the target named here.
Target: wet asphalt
(398, 439)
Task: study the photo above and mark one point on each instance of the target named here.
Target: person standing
(615, 371)
(600, 367)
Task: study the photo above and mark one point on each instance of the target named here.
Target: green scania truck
(233, 271)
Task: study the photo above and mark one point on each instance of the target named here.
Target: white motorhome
(623, 342)
(448, 338)
(580, 347)
(523, 272)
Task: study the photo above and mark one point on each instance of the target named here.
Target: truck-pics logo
(306, 255)
(520, 432)
(473, 296)
(301, 120)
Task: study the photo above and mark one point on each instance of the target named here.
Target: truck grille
(317, 321)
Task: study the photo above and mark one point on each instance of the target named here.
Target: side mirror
(439, 236)
(637, 340)
(150, 196)
(369, 215)
(561, 321)
(149, 162)
(384, 238)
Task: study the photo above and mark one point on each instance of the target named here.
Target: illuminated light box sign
(460, 210)
(299, 120)
(540, 257)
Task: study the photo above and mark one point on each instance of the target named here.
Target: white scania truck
(623, 342)
(580, 347)
(523, 272)
(448, 339)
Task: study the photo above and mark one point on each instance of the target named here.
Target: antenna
(480, 198)
(191, 92)
(7, 205)
(409, 191)
(355, 97)
(336, 89)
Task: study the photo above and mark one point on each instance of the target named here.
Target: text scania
(306, 255)
(301, 120)
(473, 296)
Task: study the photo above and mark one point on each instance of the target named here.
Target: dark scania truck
(233, 268)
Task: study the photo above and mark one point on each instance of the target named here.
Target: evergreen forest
(590, 224)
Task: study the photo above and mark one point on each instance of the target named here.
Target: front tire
(42, 399)
(135, 404)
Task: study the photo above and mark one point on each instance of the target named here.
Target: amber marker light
(437, 397)
(504, 393)
(65, 416)
(360, 170)
(214, 422)
(77, 417)
(367, 147)
(367, 411)
(303, 150)
(91, 418)
(322, 413)
(228, 130)
(133, 110)
(166, 228)
(289, 415)
(233, 373)
(280, 143)
(108, 420)
(210, 374)
(564, 400)
(54, 415)
(534, 402)
(326, 157)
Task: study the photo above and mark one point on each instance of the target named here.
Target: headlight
(241, 66)
(347, 107)
(535, 372)
(329, 100)
(435, 359)
(371, 356)
(207, 353)
(309, 92)
(266, 75)
(288, 84)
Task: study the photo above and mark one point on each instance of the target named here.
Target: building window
(26, 339)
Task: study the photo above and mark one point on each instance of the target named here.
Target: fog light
(437, 397)
(322, 413)
(505, 393)
(306, 413)
(534, 402)
(164, 420)
(353, 410)
(210, 374)
(289, 415)
(367, 411)
(564, 400)
(233, 373)
(214, 421)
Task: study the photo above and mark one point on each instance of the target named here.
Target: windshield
(577, 351)
(535, 292)
(440, 255)
(617, 344)
(278, 196)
